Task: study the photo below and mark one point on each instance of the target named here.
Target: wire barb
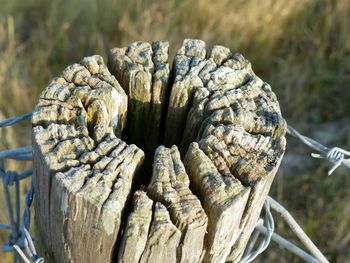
(334, 155)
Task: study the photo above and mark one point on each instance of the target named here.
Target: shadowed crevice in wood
(186, 80)
(143, 71)
(224, 120)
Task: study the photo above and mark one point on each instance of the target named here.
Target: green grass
(302, 48)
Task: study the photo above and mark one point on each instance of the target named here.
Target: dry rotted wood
(163, 238)
(83, 172)
(170, 186)
(135, 234)
(224, 200)
(225, 121)
(143, 71)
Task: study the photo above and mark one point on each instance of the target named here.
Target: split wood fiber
(211, 130)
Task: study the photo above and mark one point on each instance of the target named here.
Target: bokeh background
(302, 48)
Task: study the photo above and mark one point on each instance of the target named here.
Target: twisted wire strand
(19, 238)
(335, 155)
(10, 177)
(14, 120)
(18, 153)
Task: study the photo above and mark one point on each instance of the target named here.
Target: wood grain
(99, 133)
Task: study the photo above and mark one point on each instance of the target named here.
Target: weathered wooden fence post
(97, 132)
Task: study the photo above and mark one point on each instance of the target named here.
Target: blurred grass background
(302, 48)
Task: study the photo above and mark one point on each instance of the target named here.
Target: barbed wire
(20, 242)
(249, 255)
(335, 155)
(297, 230)
(286, 244)
(19, 239)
